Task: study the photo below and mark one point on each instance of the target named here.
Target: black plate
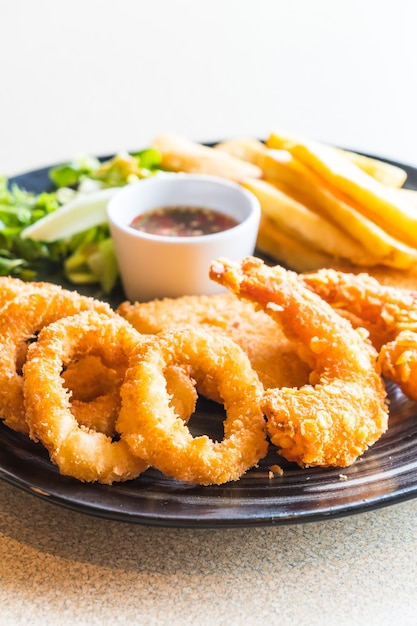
(385, 474)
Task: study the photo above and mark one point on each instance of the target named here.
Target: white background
(94, 76)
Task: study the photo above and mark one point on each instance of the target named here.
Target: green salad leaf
(19, 209)
(117, 171)
(34, 234)
(70, 174)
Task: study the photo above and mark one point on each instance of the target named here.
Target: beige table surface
(63, 567)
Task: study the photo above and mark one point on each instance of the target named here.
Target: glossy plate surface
(385, 474)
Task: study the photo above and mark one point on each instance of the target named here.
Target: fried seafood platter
(289, 397)
(248, 393)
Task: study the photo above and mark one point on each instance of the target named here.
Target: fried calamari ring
(99, 413)
(333, 420)
(9, 289)
(88, 378)
(271, 354)
(152, 429)
(182, 391)
(20, 320)
(95, 393)
(82, 453)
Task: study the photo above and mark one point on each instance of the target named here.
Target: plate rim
(190, 521)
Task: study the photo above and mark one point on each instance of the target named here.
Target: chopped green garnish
(149, 159)
(71, 174)
(93, 262)
(125, 168)
(33, 232)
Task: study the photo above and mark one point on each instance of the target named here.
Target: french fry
(303, 258)
(300, 257)
(386, 173)
(410, 195)
(268, 160)
(245, 148)
(306, 187)
(287, 250)
(373, 200)
(369, 197)
(310, 228)
(304, 203)
(181, 155)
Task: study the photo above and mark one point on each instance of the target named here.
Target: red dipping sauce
(183, 221)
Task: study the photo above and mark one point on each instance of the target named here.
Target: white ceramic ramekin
(154, 266)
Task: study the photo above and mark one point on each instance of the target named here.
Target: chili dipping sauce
(183, 221)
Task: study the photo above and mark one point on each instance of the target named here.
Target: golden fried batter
(333, 420)
(272, 354)
(388, 313)
(154, 431)
(21, 319)
(84, 453)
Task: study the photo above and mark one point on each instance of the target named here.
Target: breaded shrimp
(388, 313)
(332, 420)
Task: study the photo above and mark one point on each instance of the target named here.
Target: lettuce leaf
(83, 257)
